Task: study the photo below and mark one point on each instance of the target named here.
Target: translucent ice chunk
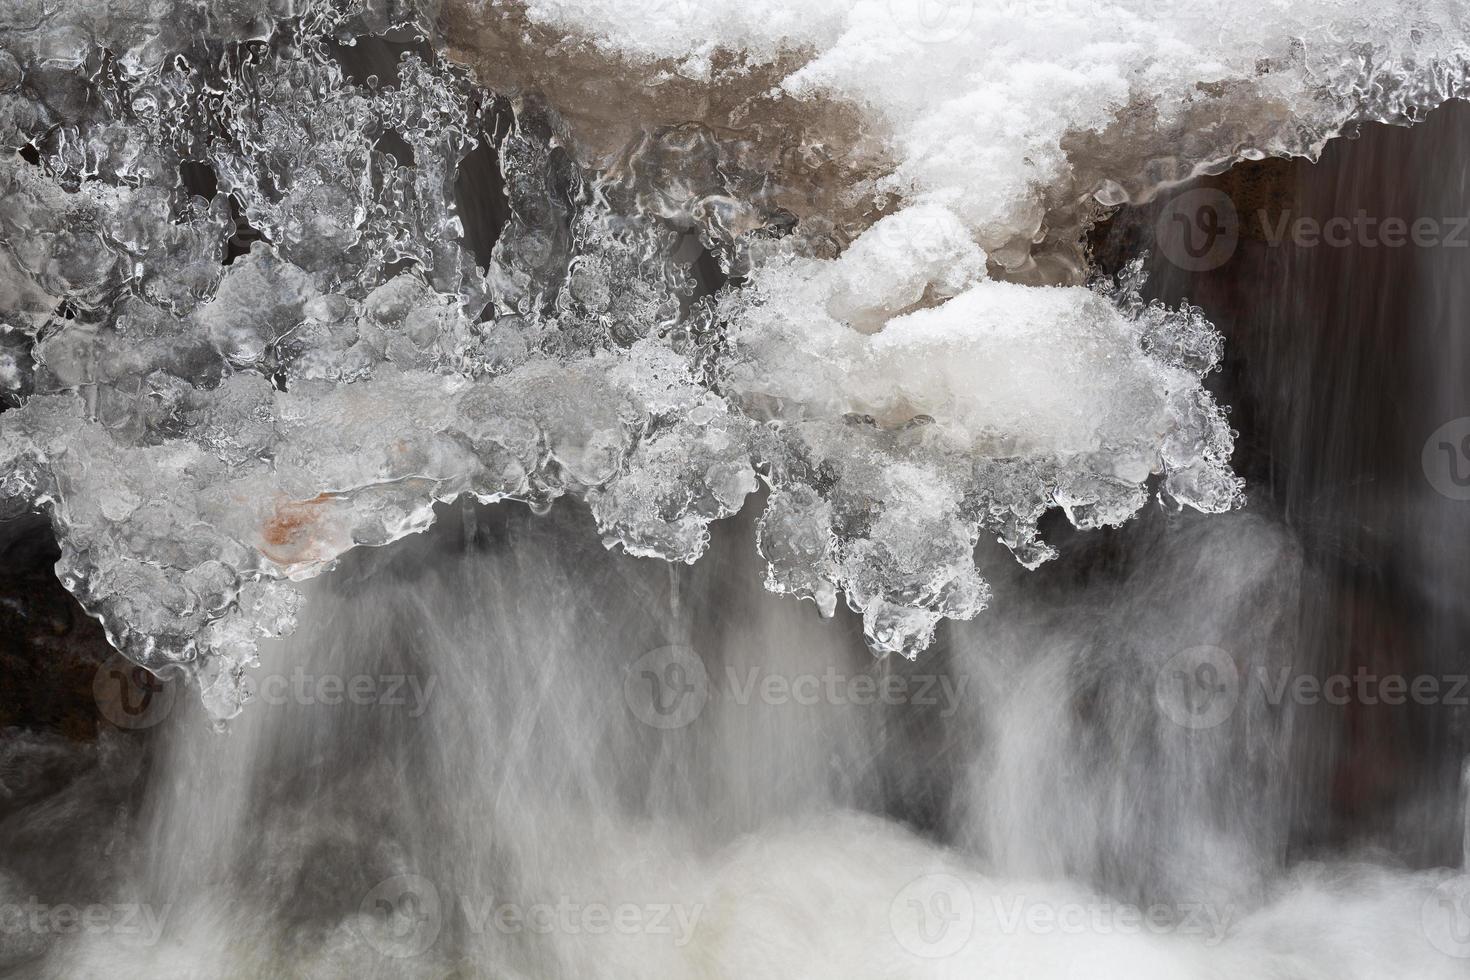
(260, 305)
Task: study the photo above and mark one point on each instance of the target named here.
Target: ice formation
(243, 328)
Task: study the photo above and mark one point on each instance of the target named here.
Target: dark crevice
(399, 267)
(708, 274)
(479, 193)
(50, 649)
(245, 234)
(198, 179)
(396, 146)
(375, 57)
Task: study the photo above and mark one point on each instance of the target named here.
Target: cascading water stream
(759, 807)
(365, 358)
(1345, 373)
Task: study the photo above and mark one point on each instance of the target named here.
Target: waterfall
(613, 489)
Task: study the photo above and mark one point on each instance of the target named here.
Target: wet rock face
(50, 649)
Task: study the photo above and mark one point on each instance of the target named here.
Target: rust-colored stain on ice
(291, 532)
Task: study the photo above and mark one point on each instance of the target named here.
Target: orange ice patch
(300, 531)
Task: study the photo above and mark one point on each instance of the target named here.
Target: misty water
(497, 749)
(1195, 745)
(678, 774)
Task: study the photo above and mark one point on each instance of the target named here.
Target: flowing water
(498, 749)
(681, 775)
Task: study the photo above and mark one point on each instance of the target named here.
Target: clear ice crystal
(246, 324)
